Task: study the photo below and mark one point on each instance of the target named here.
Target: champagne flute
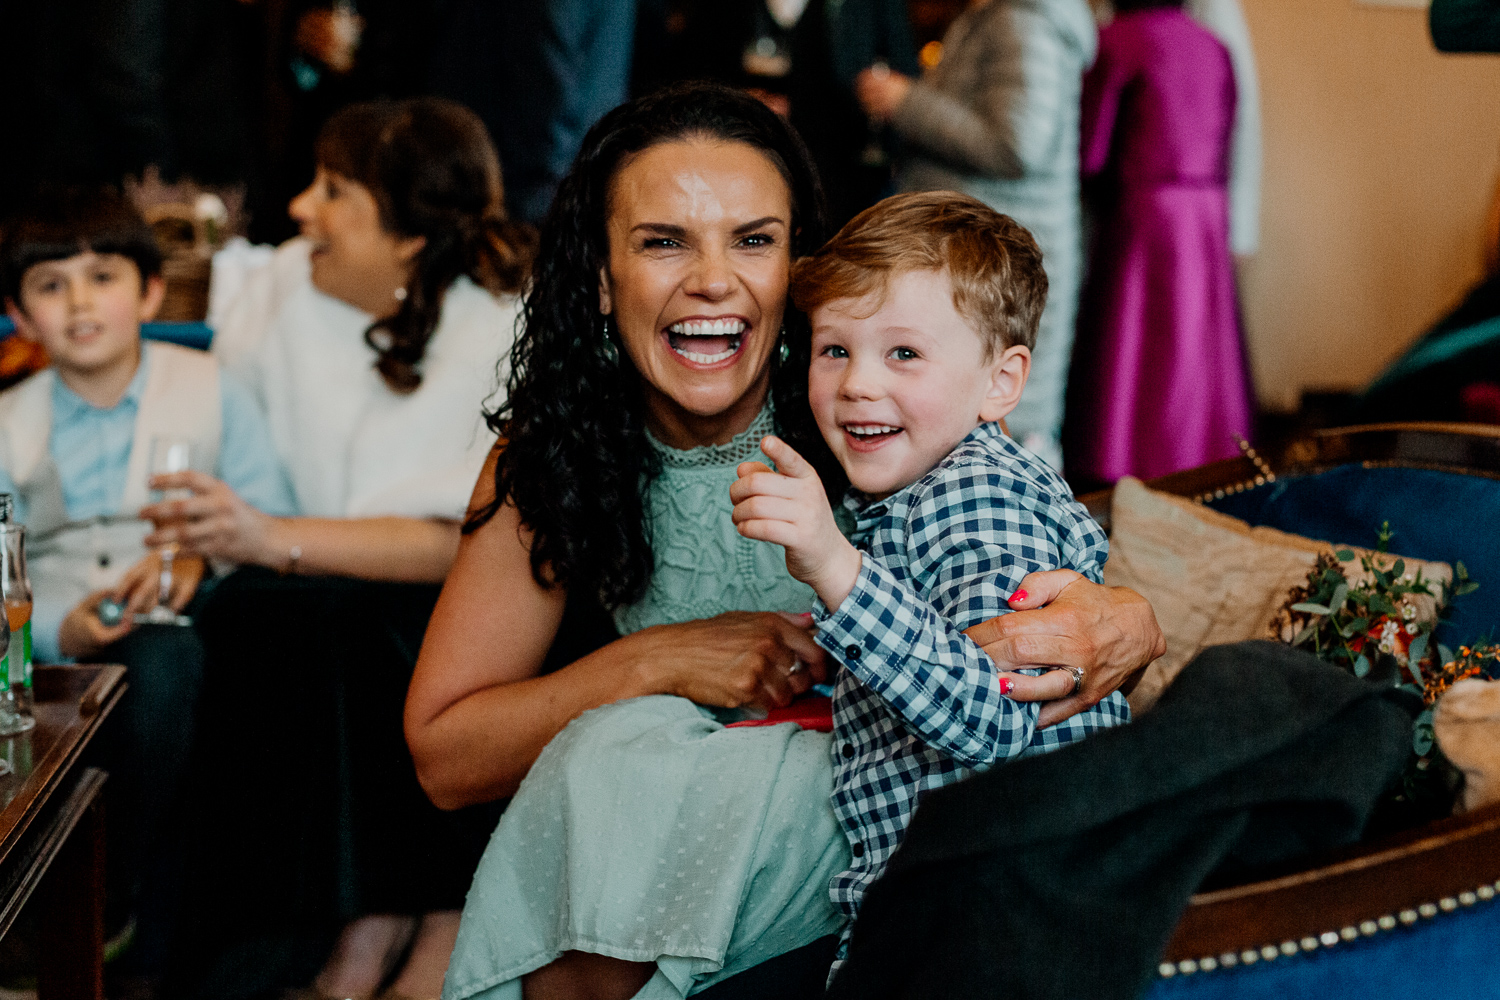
(169, 453)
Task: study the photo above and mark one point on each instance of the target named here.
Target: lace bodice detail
(704, 567)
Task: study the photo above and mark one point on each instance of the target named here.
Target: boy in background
(924, 309)
(79, 272)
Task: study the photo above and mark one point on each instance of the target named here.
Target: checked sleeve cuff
(874, 627)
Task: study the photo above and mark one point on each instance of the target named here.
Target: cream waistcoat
(69, 560)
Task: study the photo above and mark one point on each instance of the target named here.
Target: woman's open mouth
(707, 342)
(868, 437)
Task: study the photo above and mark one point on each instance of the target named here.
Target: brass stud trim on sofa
(1329, 939)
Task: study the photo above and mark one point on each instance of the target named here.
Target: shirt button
(852, 652)
(858, 850)
(848, 751)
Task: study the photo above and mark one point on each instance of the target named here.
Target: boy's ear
(1008, 373)
(153, 291)
(21, 320)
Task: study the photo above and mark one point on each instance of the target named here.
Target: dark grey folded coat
(1063, 875)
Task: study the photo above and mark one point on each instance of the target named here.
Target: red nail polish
(1019, 595)
(1006, 684)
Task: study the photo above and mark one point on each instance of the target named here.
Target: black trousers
(306, 811)
(146, 744)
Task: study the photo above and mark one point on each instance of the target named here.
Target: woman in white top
(371, 341)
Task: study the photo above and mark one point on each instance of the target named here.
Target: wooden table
(52, 828)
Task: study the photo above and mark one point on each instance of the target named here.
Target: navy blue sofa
(1416, 915)
(187, 334)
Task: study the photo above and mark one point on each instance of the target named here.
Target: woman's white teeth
(709, 328)
(871, 430)
(726, 334)
(706, 359)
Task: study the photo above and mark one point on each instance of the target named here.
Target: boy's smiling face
(86, 310)
(899, 379)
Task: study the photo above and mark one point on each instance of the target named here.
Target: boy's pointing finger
(788, 462)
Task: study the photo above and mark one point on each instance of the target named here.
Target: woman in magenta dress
(1159, 380)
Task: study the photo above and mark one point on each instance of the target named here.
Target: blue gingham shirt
(917, 705)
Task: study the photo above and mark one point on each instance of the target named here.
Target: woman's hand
(139, 588)
(880, 91)
(1064, 620)
(790, 508)
(735, 659)
(213, 522)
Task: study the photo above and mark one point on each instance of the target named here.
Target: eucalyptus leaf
(1362, 666)
(1340, 595)
(1445, 655)
(1418, 649)
(1344, 555)
(1310, 609)
(1399, 569)
(1467, 587)
(1305, 635)
(1421, 741)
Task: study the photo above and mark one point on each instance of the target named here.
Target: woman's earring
(784, 351)
(611, 355)
(400, 293)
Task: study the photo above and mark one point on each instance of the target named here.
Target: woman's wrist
(648, 667)
(279, 548)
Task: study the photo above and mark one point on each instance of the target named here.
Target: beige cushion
(1210, 578)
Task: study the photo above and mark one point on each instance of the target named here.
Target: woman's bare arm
(478, 714)
(1110, 633)
(216, 522)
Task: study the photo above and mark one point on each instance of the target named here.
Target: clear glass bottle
(15, 663)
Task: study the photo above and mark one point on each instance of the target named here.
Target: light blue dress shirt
(91, 447)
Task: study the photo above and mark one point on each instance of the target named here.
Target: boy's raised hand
(790, 509)
(82, 636)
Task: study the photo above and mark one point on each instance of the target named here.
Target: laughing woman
(650, 850)
(372, 343)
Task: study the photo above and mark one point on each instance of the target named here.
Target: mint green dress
(646, 830)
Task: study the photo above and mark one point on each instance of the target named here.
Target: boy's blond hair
(995, 266)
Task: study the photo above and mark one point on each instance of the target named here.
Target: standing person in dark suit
(801, 57)
(317, 56)
(105, 88)
(539, 73)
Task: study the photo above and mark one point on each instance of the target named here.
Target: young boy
(923, 310)
(79, 272)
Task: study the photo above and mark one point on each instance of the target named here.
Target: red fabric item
(811, 712)
(1481, 402)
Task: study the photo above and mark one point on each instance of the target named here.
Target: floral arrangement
(1375, 618)
(1471, 661)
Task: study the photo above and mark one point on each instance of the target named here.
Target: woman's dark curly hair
(433, 172)
(576, 463)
